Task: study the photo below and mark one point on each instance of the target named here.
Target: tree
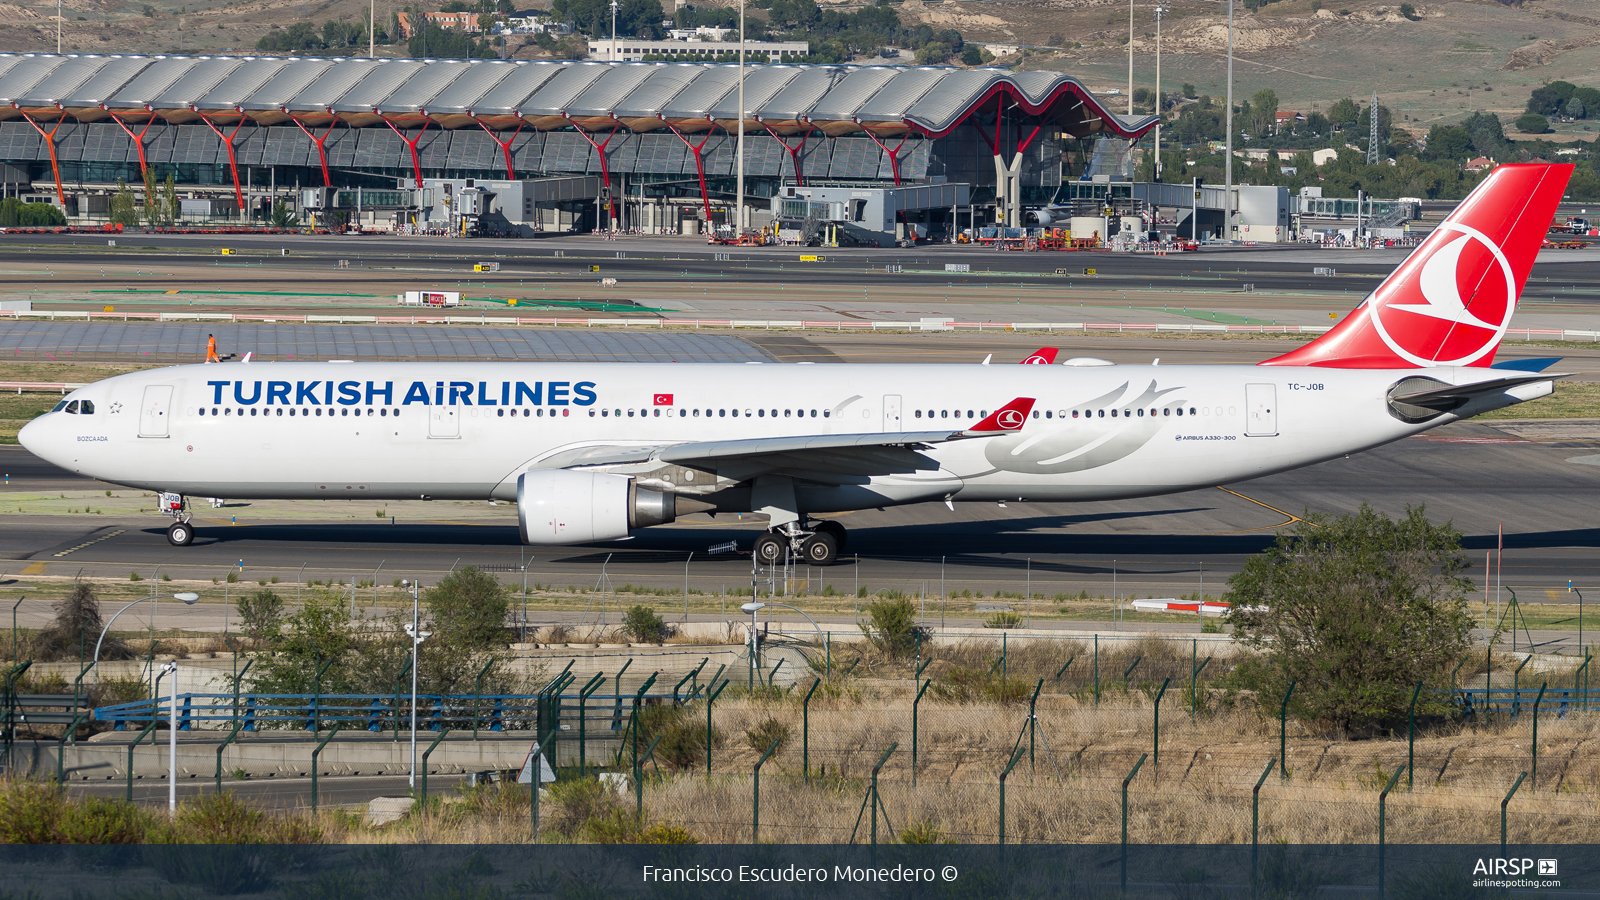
(169, 193)
(467, 610)
(1532, 123)
(262, 615)
(972, 56)
(283, 216)
(892, 626)
(124, 211)
(1575, 108)
(1449, 142)
(1488, 136)
(77, 624)
(1409, 11)
(1263, 111)
(1356, 611)
(1344, 112)
(1188, 91)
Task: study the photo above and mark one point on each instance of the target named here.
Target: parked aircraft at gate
(592, 451)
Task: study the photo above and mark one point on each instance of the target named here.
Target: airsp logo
(1010, 418)
(1441, 330)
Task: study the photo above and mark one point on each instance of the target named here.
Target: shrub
(262, 614)
(1003, 619)
(233, 578)
(643, 625)
(663, 833)
(77, 619)
(924, 832)
(765, 732)
(683, 740)
(574, 804)
(892, 626)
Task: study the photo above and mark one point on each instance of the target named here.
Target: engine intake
(562, 506)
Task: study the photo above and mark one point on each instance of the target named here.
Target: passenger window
(1074, 414)
(1103, 413)
(825, 413)
(1191, 410)
(697, 413)
(919, 413)
(786, 414)
(1167, 411)
(1047, 414)
(722, 414)
(761, 412)
(1113, 414)
(944, 413)
(1141, 413)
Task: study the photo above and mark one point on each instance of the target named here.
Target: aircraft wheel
(820, 549)
(769, 549)
(181, 534)
(834, 530)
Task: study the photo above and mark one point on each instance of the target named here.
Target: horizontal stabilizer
(1538, 364)
(1447, 398)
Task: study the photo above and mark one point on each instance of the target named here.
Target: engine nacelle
(561, 506)
(1043, 216)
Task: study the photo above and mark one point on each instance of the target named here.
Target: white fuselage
(467, 430)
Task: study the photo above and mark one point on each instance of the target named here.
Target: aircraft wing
(808, 455)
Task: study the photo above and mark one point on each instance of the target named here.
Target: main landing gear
(815, 543)
(180, 533)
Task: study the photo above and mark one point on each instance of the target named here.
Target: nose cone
(36, 437)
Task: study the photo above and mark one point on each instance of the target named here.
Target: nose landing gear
(180, 533)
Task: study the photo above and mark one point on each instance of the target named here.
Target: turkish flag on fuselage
(663, 400)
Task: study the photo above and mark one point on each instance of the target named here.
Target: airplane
(592, 452)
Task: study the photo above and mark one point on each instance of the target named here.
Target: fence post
(1194, 687)
(1125, 820)
(711, 697)
(877, 801)
(1411, 740)
(1033, 720)
(477, 693)
(314, 754)
(316, 702)
(1155, 748)
(1534, 748)
(914, 709)
(755, 801)
(1062, 671)
(1283, 732)
(638, 778)
(424, 773)
(583, 720)
(805, 733)
(399, 680)
(220, 747)
(1503, 804)
(1383, 799)
(1255, 816)
(142, 735)
(1097, 671)
(1015, 756)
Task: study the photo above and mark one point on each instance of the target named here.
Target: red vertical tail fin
(1450, 302)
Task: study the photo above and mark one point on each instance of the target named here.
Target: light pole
(14, 626)
(1130, 59)
(613, 30)
(372, 29)
(417, 636)
(1161, 104)
(738, 191)
(189, 598)
(1570, 590)
(172, 741)
(1227, 164)
(752, 608)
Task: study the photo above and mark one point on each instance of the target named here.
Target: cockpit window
(72, 407)
(60, 406)
(86, 407)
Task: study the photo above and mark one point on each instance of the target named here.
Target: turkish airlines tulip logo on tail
(1468, 295)
(1009, 419)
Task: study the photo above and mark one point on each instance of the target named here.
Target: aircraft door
(1261, 410)
(444, 421)
(891, 412)
(155, 410)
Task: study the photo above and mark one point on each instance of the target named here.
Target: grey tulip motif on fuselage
(1079, 444)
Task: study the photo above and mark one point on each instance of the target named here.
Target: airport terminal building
(539, 146)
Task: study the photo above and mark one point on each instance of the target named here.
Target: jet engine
(1043, 216)
(564, 506)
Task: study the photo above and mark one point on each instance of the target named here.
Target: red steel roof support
(894, 152)
(138, 139)
(699, 164)
(794, 152)
(505, 146)
(233, 163)
(50, 141)
(416, 161)
(321, 144)
(605, 165)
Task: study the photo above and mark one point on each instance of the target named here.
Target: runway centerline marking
(1292, 518)
(103, 537)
